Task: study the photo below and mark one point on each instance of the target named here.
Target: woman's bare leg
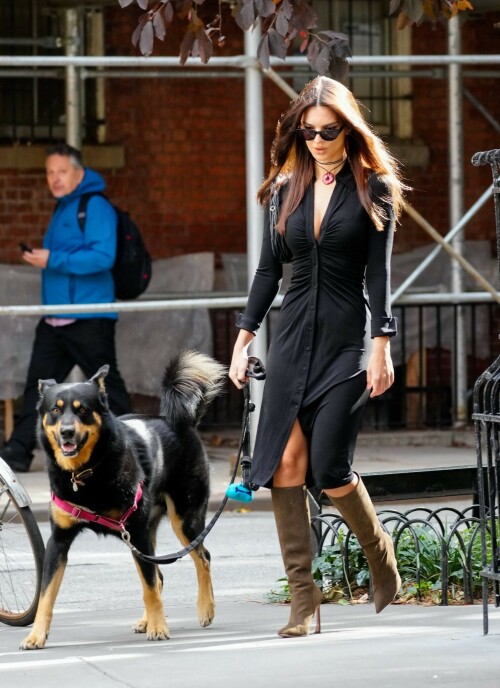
(292, 468)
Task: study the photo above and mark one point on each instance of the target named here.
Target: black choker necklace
(329, 176)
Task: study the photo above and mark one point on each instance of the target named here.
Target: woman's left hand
(380, 371)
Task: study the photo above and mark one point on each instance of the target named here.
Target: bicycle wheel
(21, 559)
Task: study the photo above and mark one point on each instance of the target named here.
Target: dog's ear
(45, 384)
(98, 379)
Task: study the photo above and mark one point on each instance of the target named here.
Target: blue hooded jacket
(79, 267)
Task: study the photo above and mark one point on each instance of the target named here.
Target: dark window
(371, 32)
(32, 100)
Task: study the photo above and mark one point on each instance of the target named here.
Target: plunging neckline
(318, 239)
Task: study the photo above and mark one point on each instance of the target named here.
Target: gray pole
(456, 200)
(71, 43)
(254, 128)
(73, 109)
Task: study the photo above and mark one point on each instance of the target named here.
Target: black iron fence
(486, 416)
(439, 554)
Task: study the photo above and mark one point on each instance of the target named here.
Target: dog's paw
(33, 642)
(141, 626)
(158, 633)
(206, 615)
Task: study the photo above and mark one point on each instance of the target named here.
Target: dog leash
(242, 492)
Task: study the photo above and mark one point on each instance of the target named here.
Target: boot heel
(294, 534)
(357, 510)
(318, 619)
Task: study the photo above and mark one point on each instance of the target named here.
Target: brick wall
(25, 209)
(185, 141)
(430, 118)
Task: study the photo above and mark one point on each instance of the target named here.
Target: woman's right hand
(239, 362)
(238, 369)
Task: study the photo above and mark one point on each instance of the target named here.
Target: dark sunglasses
(326, 134)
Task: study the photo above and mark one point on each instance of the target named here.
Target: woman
(339, 193)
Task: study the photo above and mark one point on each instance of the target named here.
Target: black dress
(319, 339)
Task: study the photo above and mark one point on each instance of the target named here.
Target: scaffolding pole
(254, 143)
(240, 61)
(456, 211)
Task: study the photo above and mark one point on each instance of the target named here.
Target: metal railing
(438, 552)
(486, 417)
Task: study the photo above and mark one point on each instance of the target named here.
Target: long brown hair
(367, 153)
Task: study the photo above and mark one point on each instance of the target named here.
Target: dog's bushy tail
(190, 383)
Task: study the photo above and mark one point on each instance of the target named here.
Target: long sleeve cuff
(384, 327)
(245, 322)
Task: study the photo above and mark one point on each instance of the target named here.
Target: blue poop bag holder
(243, 491)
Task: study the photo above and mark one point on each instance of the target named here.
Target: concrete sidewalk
(380, 451)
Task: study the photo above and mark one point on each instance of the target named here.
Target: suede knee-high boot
(357, 510)
(294, 532)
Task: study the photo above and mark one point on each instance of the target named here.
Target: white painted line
(27, 664)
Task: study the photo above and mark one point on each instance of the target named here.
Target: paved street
(91, 642)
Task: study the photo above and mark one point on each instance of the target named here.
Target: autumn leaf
(277, 45)
(313, 51)
(183, 8)
(338, 43)
(186, 45)
(146, 39)
(282, 20)
(160, 30)
(168, 12)
(402, 21)
(429, 9)
(245, 15)
(263, 52)
(304, 18)
(323, 61)
(339, 69)
(413, 10)
(394, 6)
(265, 8)
(137, 32)
(205, 46)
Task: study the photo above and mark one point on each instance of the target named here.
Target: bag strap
(82, 208)
(274, 209)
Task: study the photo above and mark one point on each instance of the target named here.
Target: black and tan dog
(100, 464)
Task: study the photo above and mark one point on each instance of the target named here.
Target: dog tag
(75, 486)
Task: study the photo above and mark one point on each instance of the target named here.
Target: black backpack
(132, 268)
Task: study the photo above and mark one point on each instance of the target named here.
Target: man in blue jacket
(76, 268)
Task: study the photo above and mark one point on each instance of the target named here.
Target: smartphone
(24, 247)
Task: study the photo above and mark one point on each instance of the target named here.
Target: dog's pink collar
(80, 513)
